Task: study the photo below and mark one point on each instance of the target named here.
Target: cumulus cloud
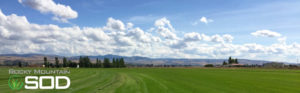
(282, 40)
(25, 37)
(203, 20)
(228, 38)
(115, 25)
(265, 33)
(61, 12)
(18, 35)
(163, 22)
(140, 35)
(193, 36)
(165, 29)
(129, 25)
(95, 34)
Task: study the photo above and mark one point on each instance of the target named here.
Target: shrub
(209, 65)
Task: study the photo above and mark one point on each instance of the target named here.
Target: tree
(69, 63)
(106, 63)
(230, 60)
(117, 63)
(98, 63)
(122, 62)
(224, 63)
(86, 62)
(26, 64)
(65, 62)
(114, 64)
(209, 65)
(72, 64)
(46, 63)
(56, 62)
(81, 64)
(20, 64)
(51, 65)
(236, 61)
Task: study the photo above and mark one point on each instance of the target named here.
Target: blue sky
(237, 18)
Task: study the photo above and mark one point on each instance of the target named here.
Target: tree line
(231, 61)
(85, 62)
(228, 63)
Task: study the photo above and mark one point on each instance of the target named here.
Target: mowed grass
(173, 80)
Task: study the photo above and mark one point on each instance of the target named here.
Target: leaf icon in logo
(15, 82)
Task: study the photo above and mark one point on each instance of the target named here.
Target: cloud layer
(265, 33)
(61, 12)
(18, 35)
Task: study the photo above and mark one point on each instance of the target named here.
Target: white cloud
(216, 38)
(17, 35)
(193, 36)
(228, 38)
(61, 12)
(4, 32)
(282, 40)
(129, 25)
(205, 37)
(203, 20)
(265, 33)
(140, 35)
(163, 22)
(96, 34)
(115, 25)
(165, 29)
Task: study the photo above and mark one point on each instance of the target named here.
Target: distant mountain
(38, 58)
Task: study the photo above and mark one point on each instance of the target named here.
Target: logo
(15, 82)
(37, 82)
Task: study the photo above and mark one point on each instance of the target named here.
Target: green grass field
(173, 80)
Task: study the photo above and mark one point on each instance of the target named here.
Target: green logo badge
(15, 82)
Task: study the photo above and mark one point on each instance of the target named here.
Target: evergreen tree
(98, 63)
(46, 64)
(20, 64)
(87, 62)
(106, 63)
(230, 60)
(65, 62)
(236, 61)
(51, 65)
(69, 63)
(224, 63)
(117, 62)
(114, 63)
(72, 64)
(56, 62)
(81, 62)
(122, 62)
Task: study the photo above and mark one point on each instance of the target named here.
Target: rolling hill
(38, 59)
